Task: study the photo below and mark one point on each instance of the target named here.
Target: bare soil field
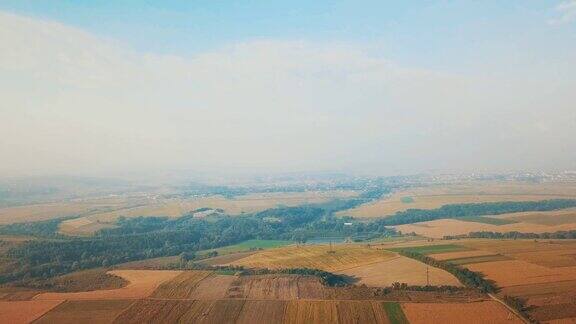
(360, 312)
(262, 312)
(141, 284)
(400, 269)
(79, 207)
(516, 272)
(155, 311)
(85, 311)
(16, 312)
(444, 227)
(480, 312)
(548, 253)
(276, 287)
(550, 218)
(340, 257)
(180, 286)
(311, 312)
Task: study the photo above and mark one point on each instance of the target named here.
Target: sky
(385, 87)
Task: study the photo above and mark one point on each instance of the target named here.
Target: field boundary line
(515, 312)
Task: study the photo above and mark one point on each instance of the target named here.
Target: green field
(432, 249)
(395, 313)
(407, 200)
(247, 246)
(487, 220)
(479, 259)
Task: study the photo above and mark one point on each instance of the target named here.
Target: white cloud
(72, 102)
(566, 11)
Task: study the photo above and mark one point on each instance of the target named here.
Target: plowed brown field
(481, 312)
(17, 312)
(85, 311)
(262, 312)
(318, 312)
(340, 257)
(444, 227)
(277, 287)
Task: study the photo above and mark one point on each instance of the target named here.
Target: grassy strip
(249, 245)
(468, 278)
(431, 249)
(479, 259)
(487, 220)
(395, 313)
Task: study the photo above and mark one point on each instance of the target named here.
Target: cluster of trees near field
(52, 254)
(149, 237)
(467, 277)
(480, 209)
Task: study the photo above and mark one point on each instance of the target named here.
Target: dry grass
(315, 256)
(213, 287)
(400, 269)
(141, 284)
(516, 272)
(85, 311)
(443, 227)
(16, 312)
(550, 218)
(461, 254)
(181, 286)
(480, 312)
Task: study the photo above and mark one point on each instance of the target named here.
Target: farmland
(25, 311)
(542, 272)
(176, 207)
(481, 312)
(400, 269)
(337, 257)
(85, 311)
(451, 227)
(206, 297)
(437, 196)
(141, 284)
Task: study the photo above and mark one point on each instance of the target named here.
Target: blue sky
(426, 33)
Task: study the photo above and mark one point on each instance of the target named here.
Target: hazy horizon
(331, 86)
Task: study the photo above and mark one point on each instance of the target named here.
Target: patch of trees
(149, 237)
(48, 228)
(490, 208)
(518, 304)
(468, 278)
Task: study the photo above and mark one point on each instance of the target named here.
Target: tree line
(149, 237)
(558, 235)
(467, 277)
